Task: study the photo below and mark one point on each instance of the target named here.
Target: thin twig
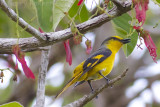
(86, 98)
(40, 99)
(32, 44)
(11, 13)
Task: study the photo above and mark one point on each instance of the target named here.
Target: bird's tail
(72, 81)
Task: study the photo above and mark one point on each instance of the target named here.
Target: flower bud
(89, 48)
(15, 78)
(77, 39)
(2, 74)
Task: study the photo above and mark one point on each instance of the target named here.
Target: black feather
(102, 51)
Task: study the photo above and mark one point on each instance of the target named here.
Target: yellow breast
(105, 67)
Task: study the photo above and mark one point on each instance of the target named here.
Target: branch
(85, 99)
(40, 99)
(11, 13)
(120, 4)
(32, 44)
(150, 82)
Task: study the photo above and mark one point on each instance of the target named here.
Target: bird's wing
(96, 58)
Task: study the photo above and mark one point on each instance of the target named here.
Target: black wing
(93, 60)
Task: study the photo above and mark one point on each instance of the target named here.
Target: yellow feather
(105, 66)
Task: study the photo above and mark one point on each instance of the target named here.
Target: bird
(98, 65)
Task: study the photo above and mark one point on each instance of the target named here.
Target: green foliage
(125, 30)
(158, 49)
(12, 104)
(156, 2)
(6, 26)
(51, 12)
(5, 93)
(82, 15)
(60, 6)
(77, 13)
(44, 13)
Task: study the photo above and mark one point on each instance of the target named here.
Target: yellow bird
(98, 65)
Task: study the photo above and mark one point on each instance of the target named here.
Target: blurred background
(139, 88)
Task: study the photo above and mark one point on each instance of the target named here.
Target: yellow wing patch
(95, 63)
(98, 56)
(89, 64)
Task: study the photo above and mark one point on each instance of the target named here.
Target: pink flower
(20, 57)
(89, 48)
(141, 6)
(10, 62)
(80, 2)
(150, 45)
(16, 67)
(68, 52)
(41, 30)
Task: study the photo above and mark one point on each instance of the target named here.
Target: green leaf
(44, 13)
(120, 31)
(73, 10)
(81, 17)
(156, 2)
(158, 49)
(125, 30)
(84, 13)
(60, 6)
(123, 22)
(5, 94)
(12, 104)
(128, 49)
(51, 12)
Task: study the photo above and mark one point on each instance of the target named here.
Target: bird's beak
(124, 41)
